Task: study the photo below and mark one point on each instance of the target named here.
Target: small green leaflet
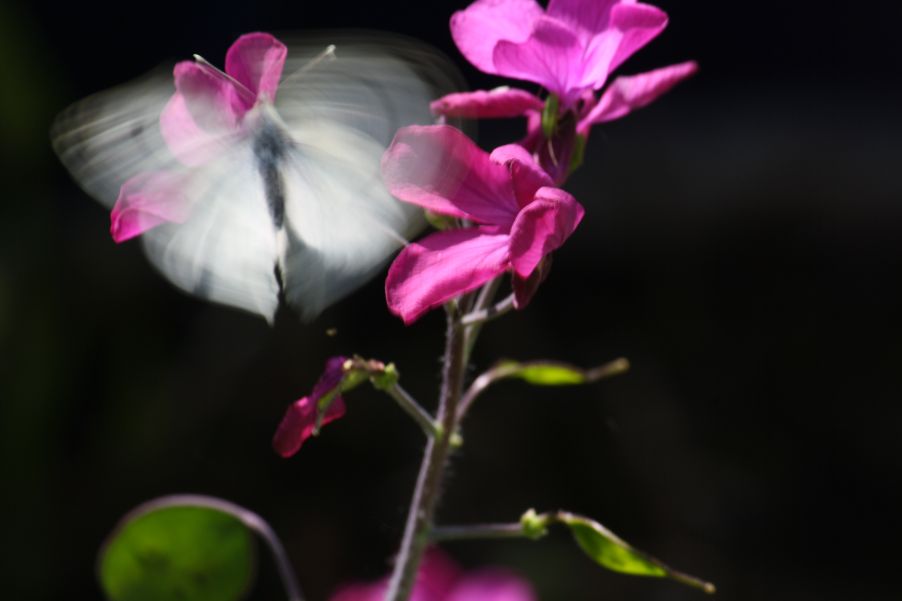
(553, 373)
(608, 550)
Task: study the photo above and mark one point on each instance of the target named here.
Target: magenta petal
(585, 17)
(371, 591)
(199, 114)
(639, 24)
(146, 201)
(626, 94)
(526, 175)
(439, 168)
(552, 56)
(500, 102)
(477, 29)
(492, 585)
(442, 266)
(541, 227)
(299, 421)
(256, 60)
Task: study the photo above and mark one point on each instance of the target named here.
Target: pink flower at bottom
(299, 421)
(519, 216)
(440, 579)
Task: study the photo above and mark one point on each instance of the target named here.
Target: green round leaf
(178, 553)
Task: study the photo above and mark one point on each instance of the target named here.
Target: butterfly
(260, 182)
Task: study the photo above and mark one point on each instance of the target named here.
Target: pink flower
(299, 422)
(519, 216)
(439, 579)
(624, 95)
(569, 49)
(206, 109)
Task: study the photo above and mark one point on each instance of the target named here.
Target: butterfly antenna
(327, 54)
(220, 73)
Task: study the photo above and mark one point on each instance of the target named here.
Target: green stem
(476, 531)
(489, 313)
(432, 469)
(414, 410)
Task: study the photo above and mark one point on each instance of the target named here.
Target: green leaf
(550, 374)
(608, 550)
(178, 553)
(554, 373)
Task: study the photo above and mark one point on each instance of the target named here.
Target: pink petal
(525, 289)
(626, 94)
(442, 266)
(492, 585)
(542, 227)
(631, 26)
(146, 201)
(585, 17)
(552, 56)
(372, 591)
(439, 168)
(639, 24)
(435, 578)
(500, 102)
(204, 108)
(526, 175)
(477, 29)
(299, 421)
(257, 60)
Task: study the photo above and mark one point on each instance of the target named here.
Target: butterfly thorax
(271, 145)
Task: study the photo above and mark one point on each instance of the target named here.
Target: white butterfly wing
(112, 136)
(342, 113)
(227, 249)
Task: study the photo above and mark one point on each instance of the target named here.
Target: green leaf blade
(178, 553)
(609, 551)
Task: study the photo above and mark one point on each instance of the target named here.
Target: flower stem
(477, 531)
(489, 313)
(432, 469)
(414, 410)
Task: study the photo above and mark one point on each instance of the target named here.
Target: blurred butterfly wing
(341, 223)
(112, 136)
(227, 249)
(342, 112)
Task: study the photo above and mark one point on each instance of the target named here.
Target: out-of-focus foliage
(178, 552)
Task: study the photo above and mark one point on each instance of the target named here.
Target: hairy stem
(432, 469)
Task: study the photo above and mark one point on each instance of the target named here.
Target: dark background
(741, 247)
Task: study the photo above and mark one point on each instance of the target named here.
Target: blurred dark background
(741, 248)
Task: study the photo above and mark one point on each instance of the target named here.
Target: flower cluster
(511, 212)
